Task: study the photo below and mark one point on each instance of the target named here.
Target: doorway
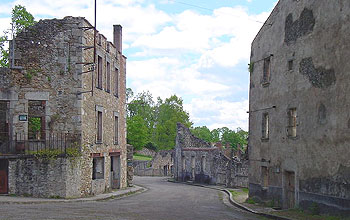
(289, 189)
(3, 176)
(115, 172)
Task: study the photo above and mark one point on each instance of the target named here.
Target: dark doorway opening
(3, 176)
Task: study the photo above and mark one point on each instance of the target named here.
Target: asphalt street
(162, 201)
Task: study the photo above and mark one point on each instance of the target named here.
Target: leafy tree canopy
(159, 119)
(20, 19)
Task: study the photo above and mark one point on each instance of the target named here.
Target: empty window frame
(108, 76)
(98, 168)
(292, 122)
(36, 119)
(265, 126)
(267, 70)
(99, 39)
(99, 72)
(116, 129)
(183, 161)
(264, 176)
(203, 164)
(116, 82)
(99, 127)
(290, 65)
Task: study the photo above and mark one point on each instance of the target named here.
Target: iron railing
(32, 143)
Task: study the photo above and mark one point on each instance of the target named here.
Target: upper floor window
(99, 127)
(267, 70)
(99, 72)
(108, 76)
(265, 126)
(292, 122)
(116, 82)
(116, 129)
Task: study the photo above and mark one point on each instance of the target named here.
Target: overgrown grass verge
(142, 157)
(299, 214)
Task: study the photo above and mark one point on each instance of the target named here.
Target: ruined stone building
(161, 164)
(196, 160)
(299, 118)
(62, 111)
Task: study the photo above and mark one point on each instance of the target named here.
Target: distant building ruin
(196, 160)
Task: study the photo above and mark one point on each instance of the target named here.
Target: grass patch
(251, 201)
(142, 157)
(245, 190)
(299, 214)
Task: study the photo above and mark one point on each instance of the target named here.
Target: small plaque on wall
(23, 117)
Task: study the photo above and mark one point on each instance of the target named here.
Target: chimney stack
(117, 37)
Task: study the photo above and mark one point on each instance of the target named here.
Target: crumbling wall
(318, 77)
(300, 27)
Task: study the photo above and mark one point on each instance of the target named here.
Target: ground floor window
(98, 168)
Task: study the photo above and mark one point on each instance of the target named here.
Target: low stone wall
(146, 152)
(239, 174)
(44, 178)
(161, 165)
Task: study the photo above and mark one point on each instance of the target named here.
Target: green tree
(215, 135)
(4, 53)
(137, 134)
(169, 112)
(203, 133)
(234, 138)
(21, 19)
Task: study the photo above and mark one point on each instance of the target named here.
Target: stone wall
(306, 44)
(161, 164)
(44, 178)
(146, 152)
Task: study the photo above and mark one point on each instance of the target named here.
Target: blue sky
(196, 49)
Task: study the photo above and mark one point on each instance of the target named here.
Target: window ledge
(264, 139)
(99, 142)
(116, 143)
(293, 137)
(265, 84)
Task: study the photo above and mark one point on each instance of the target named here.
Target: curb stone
(233, 202)
(100, 197)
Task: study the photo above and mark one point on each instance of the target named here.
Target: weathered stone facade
(54, 64)
(299, 115)
(196, 160)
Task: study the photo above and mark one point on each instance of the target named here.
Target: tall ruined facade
(299, 119)
(55, 97)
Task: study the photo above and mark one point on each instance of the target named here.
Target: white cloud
(169, 53)
(217, 114)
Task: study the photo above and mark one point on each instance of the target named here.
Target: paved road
(163, 201)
